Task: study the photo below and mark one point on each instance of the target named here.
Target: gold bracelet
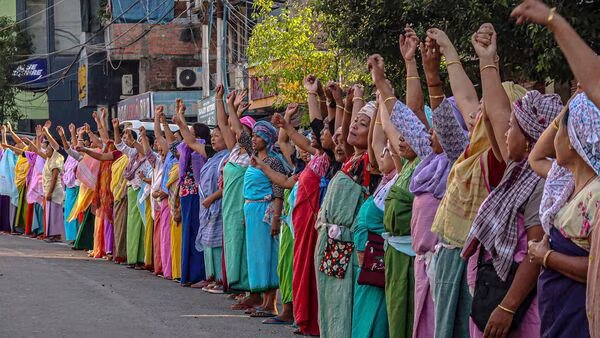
(412, 78)
(546, 258)
(554, 124)
(506, 309)
(487, 67)
(450, 63)
(357, 98)
(310, 92)
(378, 122)
(340, 107)
(551, 15)
(437, 96)
(389, 98)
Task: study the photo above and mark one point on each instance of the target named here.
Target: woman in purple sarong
(569, 205)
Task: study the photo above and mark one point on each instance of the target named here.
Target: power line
(31, 16)
(86, 41)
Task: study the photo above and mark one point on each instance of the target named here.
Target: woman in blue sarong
(264, 203)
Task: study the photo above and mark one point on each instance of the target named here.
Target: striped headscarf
(535, 111)
(495, 225)
(267, 132)
(584, 130)
(583, 126)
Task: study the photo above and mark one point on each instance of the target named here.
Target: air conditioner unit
(189, 77)
(127, 84)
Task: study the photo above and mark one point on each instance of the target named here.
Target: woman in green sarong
(346, 193)
(237, 136)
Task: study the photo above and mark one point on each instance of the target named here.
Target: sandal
(254, 309)
(275, 320)
(241, 306)
(262, 314)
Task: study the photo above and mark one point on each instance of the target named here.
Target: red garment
(304, 282)
(29, 219)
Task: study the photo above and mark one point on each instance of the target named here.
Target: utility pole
(220, 60)
(205, 52)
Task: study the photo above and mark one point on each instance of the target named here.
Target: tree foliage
(13, 42)
(361, 27)
(283, 48)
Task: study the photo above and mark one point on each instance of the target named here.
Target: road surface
(49, 290)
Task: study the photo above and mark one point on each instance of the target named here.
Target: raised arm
(414, 93)
(93, 137)
(387, 100)
(4, 135)
(584, 62)
(158, 134)
(543, 150)
(228, 136)
(169, 137)
(240, 99)
(287, 149)
(462, 88)
(234, 119)
(49, 137)
(338, 101)
(300, 140)
(63, 139)
(377, 140)
(189, 138)
(73, 134)
(351, 109)
(14, 136)
(116, 130)
(497, 103)
(144, 142)
(431, 57)
(101, 127)
(34, 148)
(96, 155)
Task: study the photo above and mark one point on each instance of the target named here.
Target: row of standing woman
(470, 217)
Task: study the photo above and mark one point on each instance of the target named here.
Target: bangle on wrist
(357, 99)
(450, 63)
(412, 78)
(554, 124)
(545, 260)
(505, 309)
(488, 67)
(310, 92)
(340, 107)
(437, 96)
(389, 98)
(551, 15)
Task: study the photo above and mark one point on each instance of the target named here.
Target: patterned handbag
(336, 257)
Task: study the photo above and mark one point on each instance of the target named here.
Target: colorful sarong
(135, 230)
(70, 226)
(370, 317)
(262, 249)
(336, 296)
(234, 228)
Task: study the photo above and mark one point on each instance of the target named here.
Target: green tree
(14, 41)
(362, 27)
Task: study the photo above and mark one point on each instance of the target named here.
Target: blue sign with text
(31, 73)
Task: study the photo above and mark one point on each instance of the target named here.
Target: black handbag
(490, 291)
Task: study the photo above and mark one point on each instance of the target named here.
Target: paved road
(48, 290)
